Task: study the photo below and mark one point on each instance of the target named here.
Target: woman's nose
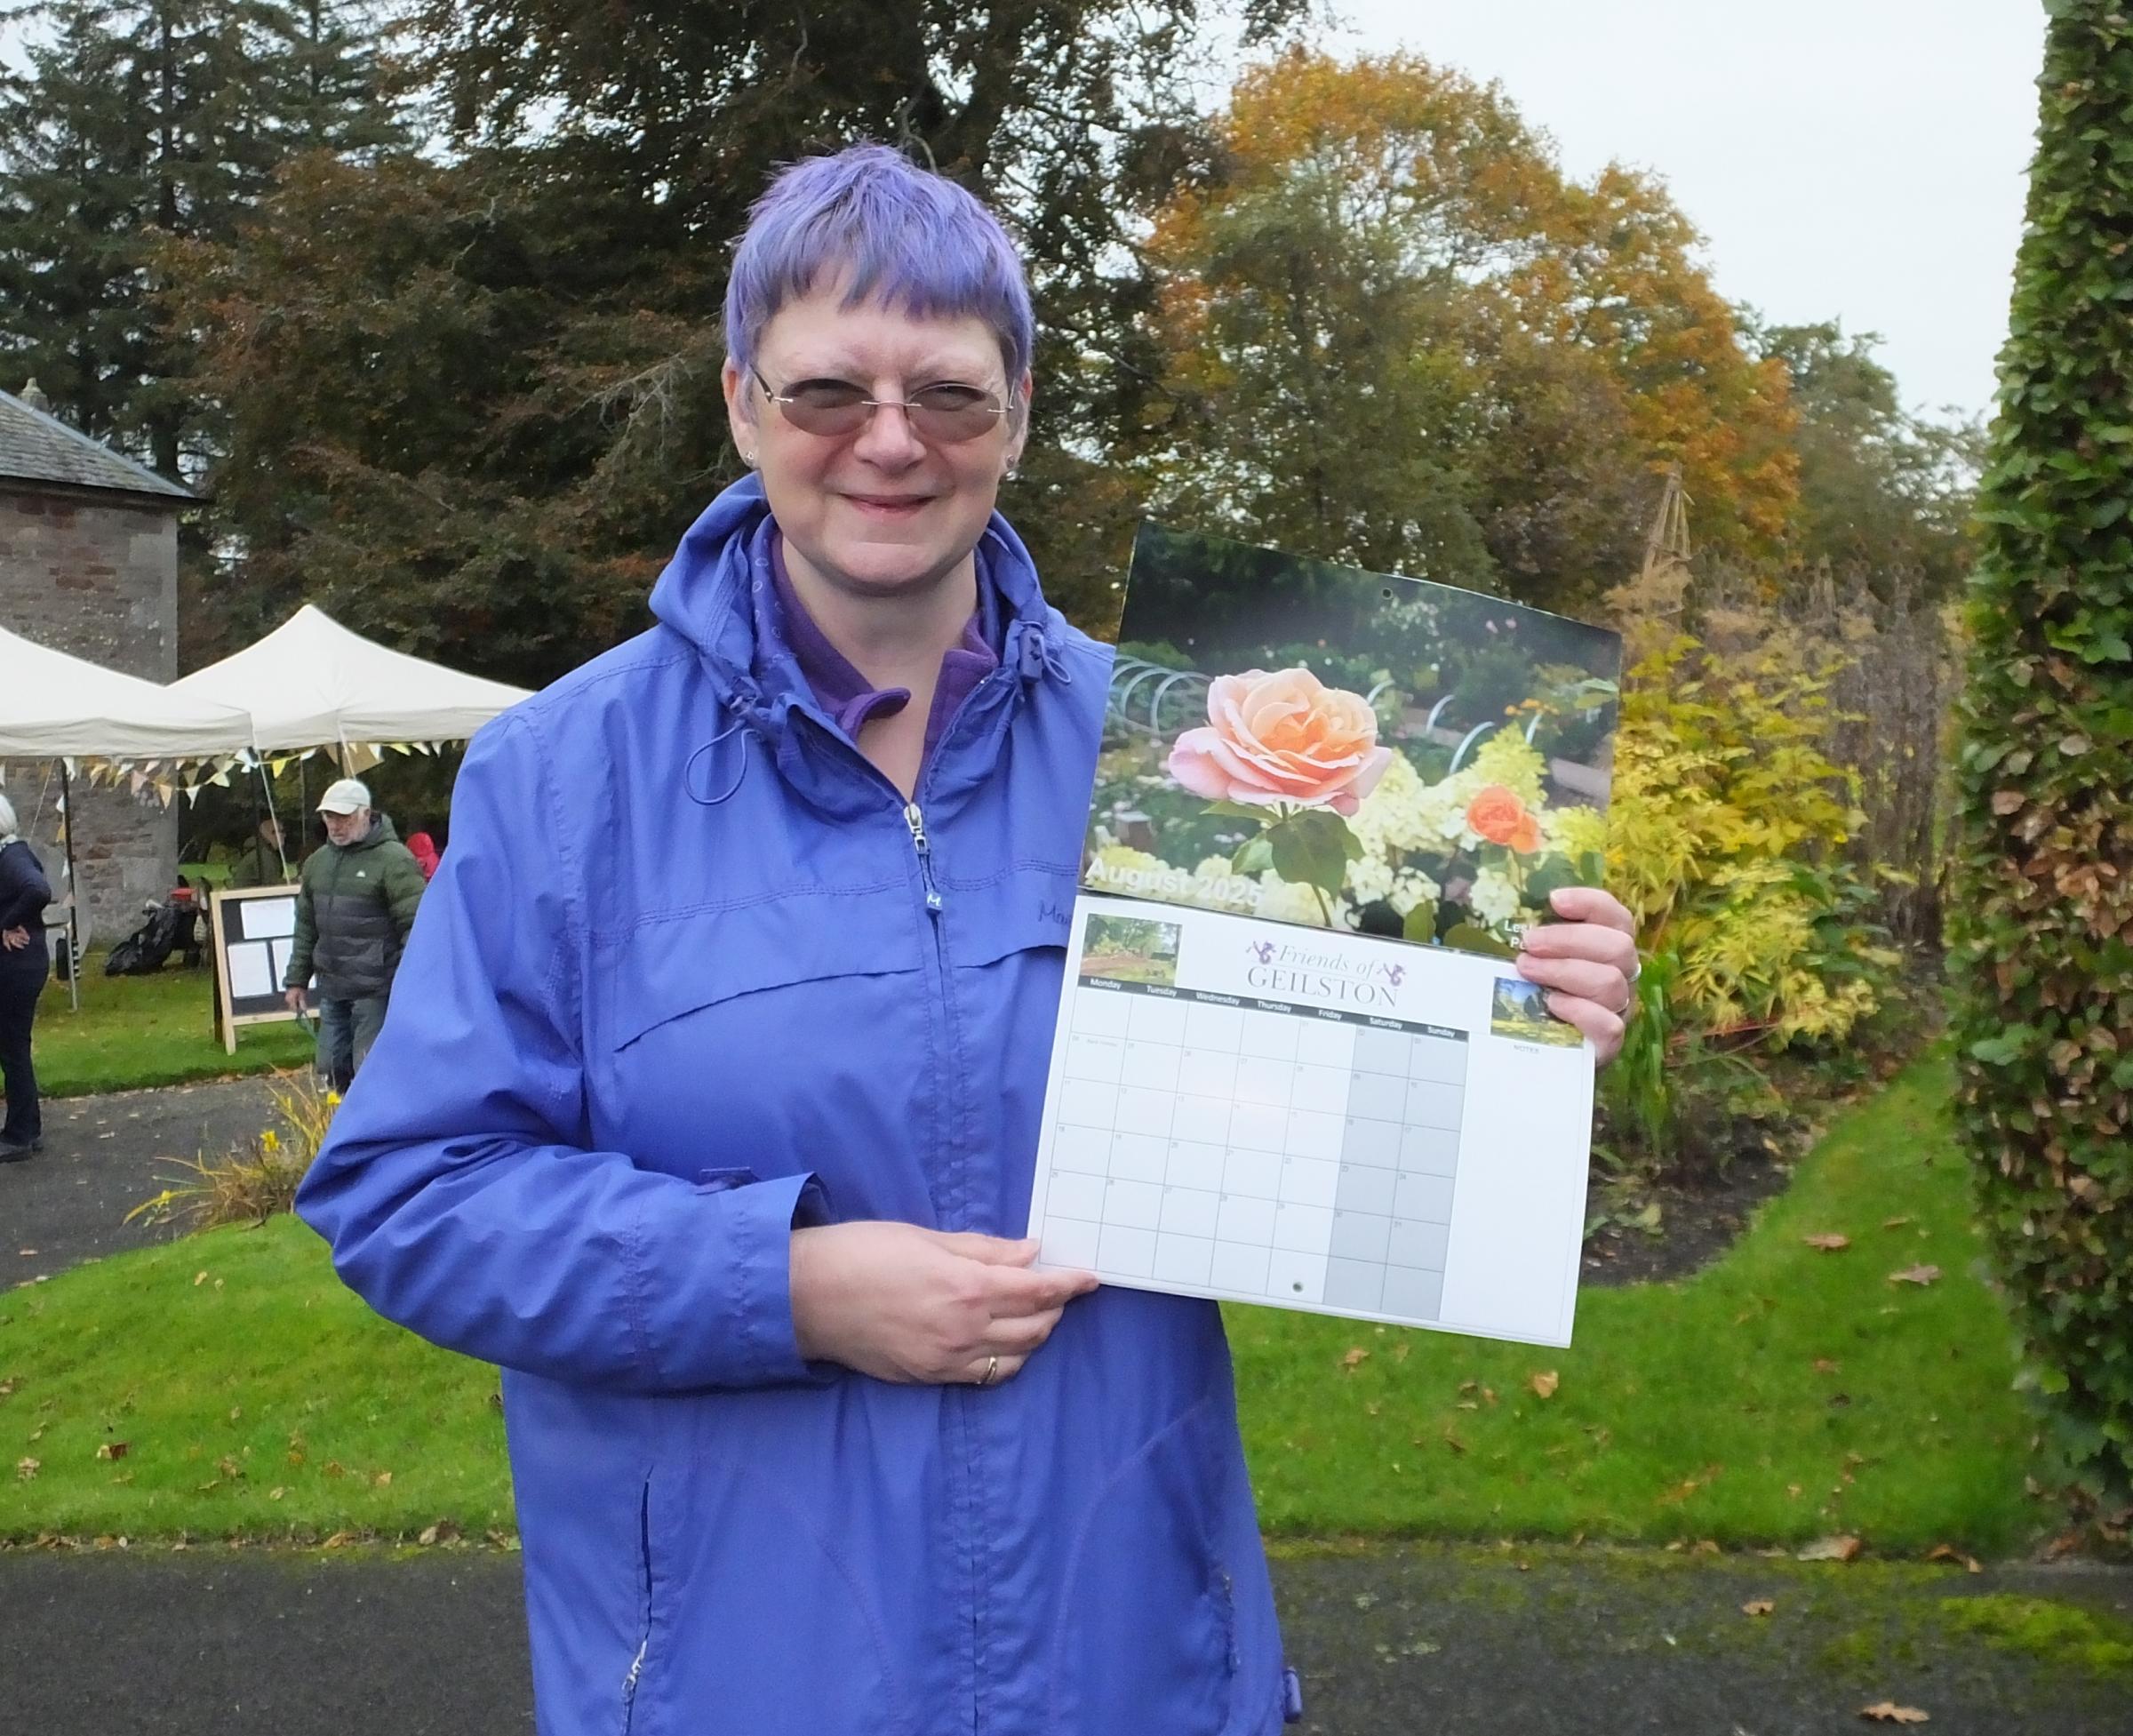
(888, 439)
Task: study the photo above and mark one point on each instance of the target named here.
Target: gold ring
(992, 1367)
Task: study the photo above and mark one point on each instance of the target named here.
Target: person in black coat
(25, 962)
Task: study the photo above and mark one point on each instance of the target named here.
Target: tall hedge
(2042, 900)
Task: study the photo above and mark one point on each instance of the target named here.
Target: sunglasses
(947, 414)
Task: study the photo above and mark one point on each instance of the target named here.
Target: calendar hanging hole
(1298, 1286)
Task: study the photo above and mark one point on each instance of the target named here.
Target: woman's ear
(740, 412)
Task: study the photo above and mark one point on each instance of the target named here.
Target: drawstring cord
(740, 723)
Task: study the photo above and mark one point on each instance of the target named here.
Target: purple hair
(906, 235)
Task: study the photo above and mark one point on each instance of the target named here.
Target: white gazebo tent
(57, 707)
(311, 682)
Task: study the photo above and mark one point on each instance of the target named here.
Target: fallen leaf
(276, 1495)
(1893, 1223)
(1544, 1384)
(1758, 1606)
(1920, 1275)
(1829, 1243)
(1706, 1545)
(340, 1540)
(1887, 1711)
(1831, 1549)
(1826, 1365)
(1454, 1442)
(381, 1479)
(28, 1468)
(113, 1449)
(199, 1278)
(1942, 1552)
(1355, 1356)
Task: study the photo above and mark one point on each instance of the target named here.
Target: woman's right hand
(14, 938)
(906, 1304)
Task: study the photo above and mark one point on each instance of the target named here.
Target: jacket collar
(721, 580)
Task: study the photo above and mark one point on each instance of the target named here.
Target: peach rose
(1283, 738)
(1497, 814)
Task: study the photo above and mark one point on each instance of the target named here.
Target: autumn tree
(1883, 492)
(1397, 333)
(2042, 900)
(556, 264)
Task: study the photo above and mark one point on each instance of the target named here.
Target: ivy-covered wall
(2041, 905)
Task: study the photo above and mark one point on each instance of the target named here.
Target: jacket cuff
(750, 1341)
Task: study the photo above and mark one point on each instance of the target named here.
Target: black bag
(142, 952)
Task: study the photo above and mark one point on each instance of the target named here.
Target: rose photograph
(1309, 743)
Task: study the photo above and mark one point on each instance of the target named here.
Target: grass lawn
(1783, 1395)
(255, 1396)
(154, 1030)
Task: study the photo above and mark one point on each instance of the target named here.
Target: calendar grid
(1259, 1148)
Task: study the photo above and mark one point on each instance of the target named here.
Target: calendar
(1242, 1111)
(1294, 1064)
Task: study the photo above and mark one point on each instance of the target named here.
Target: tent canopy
(311, 682)
(53, 705)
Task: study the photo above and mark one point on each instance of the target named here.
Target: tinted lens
(951, 413)
(826, 407)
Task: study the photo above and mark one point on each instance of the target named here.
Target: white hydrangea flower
(1410, 887)
(1289, 902)
(1494, 899)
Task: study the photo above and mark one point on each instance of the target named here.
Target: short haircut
(905, 236)
(8, 827)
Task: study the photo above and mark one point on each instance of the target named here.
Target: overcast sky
(1855, 159)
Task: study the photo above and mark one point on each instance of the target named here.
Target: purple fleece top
(843, 692)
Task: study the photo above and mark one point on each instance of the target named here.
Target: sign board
(254, 933)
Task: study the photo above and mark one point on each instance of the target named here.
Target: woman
(711, 1114)
(25, 962)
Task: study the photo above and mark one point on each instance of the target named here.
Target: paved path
(102, 1157)
(1390, 1640)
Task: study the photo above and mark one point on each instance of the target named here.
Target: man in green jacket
(354, 906)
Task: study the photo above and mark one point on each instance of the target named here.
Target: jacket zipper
(916, 821)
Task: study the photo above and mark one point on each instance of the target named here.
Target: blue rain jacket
(684, 981)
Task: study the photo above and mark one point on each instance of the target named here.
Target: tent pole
(74, 894)
(281, 849)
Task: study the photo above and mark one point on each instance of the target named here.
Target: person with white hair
(25, 962)
(354, 906)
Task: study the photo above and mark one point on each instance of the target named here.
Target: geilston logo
(1280, 968)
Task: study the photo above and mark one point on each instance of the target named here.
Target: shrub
(2042, 915)
(249, 1185)
(1726, 837)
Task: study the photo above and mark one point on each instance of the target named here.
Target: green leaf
(1471, 936)
(1240, 810)
(1254, 856)
(1314, 849)
(1421, 924)
(1551, 873)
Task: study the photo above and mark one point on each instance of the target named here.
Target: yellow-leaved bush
(1726, 835)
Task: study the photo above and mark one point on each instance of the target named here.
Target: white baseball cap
(346, 797)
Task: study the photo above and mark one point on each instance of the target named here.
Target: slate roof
(38, 447)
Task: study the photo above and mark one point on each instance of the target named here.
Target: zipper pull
(916, 822)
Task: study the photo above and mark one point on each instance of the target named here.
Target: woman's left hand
(1589, 961)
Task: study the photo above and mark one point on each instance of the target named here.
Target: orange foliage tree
(1398, 333)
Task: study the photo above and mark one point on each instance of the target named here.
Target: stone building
(89, 566)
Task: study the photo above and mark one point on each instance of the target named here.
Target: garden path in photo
(102, 1157)
(1389, 1639)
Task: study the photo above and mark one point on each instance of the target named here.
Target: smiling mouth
(889, 503)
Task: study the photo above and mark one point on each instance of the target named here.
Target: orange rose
(1283, 738)
(1497, 814)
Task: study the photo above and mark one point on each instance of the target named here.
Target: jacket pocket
(1147, 1636)
(633, 1680)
